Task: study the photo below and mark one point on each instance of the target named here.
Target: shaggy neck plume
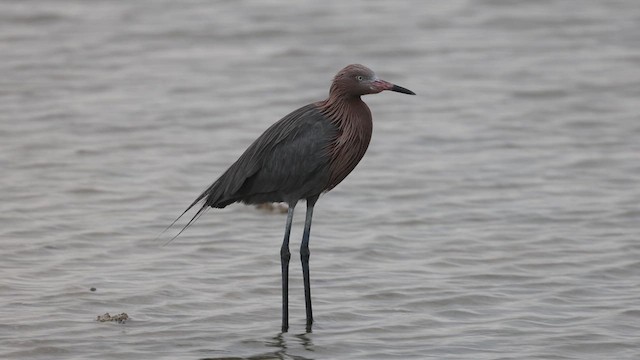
(352, 118)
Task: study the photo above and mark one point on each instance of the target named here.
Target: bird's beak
(400, 89)
(385, 85)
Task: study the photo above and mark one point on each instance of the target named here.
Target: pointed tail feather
(197, 215)
(194, 218)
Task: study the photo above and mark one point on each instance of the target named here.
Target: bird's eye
(359, 78)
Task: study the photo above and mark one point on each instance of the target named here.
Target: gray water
(495, 216)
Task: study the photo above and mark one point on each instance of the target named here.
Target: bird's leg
(285, 255)
(304, 256)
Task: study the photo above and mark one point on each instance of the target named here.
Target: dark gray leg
(285, 255)
(304, 256)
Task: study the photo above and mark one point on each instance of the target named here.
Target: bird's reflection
(280, 343)
(305, 341)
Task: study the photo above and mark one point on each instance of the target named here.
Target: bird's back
(288, 162)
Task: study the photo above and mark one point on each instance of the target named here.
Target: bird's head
(357, 80)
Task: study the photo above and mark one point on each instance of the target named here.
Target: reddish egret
(306, 153)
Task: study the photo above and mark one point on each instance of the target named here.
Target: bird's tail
(207, 196)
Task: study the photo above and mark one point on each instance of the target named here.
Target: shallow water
(495, 215)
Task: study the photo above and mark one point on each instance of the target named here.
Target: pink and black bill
(385, 85)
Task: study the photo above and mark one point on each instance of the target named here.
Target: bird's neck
(343, 110)
(352, 119)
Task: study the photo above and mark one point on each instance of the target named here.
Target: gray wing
(288, 162)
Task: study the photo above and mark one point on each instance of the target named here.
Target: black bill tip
(400, 89)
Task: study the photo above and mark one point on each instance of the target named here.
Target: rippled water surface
(495, 216)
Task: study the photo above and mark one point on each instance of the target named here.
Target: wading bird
(306, 153)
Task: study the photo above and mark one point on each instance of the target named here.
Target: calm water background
(495, 216)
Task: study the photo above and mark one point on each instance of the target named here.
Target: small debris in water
(120, 318)
(281, 208)
(93, 289)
